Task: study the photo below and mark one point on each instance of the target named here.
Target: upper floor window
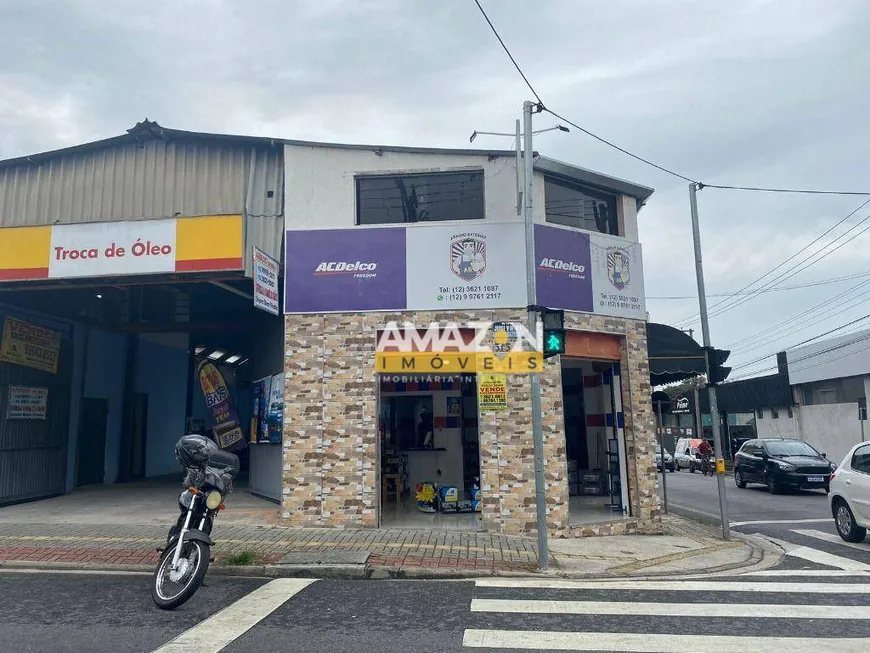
(575, 206)
(429, 197)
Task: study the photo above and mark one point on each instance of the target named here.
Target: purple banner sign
(563, 276)
(331, 270)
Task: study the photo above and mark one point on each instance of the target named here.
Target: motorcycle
(209, 474)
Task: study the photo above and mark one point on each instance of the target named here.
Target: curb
(757, 559)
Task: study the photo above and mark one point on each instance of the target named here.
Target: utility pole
(705, 331)
(535, 380)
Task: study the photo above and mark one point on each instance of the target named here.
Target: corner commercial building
(408, 214)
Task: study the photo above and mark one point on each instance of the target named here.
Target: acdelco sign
(558, 265)
(357, 269)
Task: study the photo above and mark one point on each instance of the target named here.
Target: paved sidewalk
(685, 548)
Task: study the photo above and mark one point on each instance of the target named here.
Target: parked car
(686, 454)
(782, 463)
(850, 494)
(669, 460)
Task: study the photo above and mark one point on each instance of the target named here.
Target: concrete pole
(705, 330)
(661, 435)
(535, 380)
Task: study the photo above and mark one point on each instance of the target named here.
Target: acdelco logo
(339, 267)
(561, 266)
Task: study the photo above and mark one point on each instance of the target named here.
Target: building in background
(830, 382)
(818, 395)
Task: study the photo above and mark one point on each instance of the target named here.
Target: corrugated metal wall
(148, 180)
(33, 453)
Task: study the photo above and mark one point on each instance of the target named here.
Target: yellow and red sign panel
(107, 249)
(26, 344)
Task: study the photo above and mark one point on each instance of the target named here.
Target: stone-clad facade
(331, 456)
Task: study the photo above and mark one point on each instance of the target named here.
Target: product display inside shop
(591, 392)
(430, 458)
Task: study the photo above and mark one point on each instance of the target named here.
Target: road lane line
(219, 630)
(734, 610)
(827, 520)
(836, 539)
(818, 556)
(823, 573)
(678, 586)
(655, 643)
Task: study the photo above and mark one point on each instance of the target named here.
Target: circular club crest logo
(502, 338)
(467, 257)
(618, 267)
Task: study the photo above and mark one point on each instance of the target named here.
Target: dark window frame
(477, 176)
(612, 224)
(865, 454)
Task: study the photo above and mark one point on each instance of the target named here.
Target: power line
(787, 190)
(826, 351)
(631, 154)
(616, 147)
(823, 351)
(510, 56)
(795, 269)
(693, 318)
(761, 359)
(570, 122)
(767, 332)
(809, 284)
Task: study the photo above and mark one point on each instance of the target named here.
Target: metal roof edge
(142, 131)
(150, 130)
(592, 178)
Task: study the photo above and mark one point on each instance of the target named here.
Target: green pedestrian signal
(554, 342)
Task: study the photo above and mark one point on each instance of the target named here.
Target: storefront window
(576, 206)
(436, 197)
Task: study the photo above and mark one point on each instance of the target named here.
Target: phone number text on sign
(102, 249)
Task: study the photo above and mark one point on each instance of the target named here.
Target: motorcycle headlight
(213, 500)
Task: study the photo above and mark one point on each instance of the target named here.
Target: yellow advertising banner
(206, 243)
(29, 345)
(492, 391)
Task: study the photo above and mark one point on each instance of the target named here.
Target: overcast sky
(748, 92)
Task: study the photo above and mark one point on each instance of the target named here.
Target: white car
(850, 494)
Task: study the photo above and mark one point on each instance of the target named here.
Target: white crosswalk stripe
(787, 611)
(817, 555)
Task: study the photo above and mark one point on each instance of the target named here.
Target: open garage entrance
(128, 379)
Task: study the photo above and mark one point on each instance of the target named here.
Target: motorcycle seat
(225, 461)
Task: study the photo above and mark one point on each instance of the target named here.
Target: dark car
(780, 464)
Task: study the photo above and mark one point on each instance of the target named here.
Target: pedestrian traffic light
(716, 372)
(554, 331)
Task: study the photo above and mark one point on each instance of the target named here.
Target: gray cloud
(748, 92)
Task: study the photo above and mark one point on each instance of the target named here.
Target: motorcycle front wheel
(170, 589)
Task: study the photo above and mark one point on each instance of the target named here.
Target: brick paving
(393, 548)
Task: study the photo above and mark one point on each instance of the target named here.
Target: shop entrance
(430, 452)
(137, 350)
(92, 442)
(595, 446)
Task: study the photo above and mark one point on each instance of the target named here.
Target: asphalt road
(86, 613)
(801, 519)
